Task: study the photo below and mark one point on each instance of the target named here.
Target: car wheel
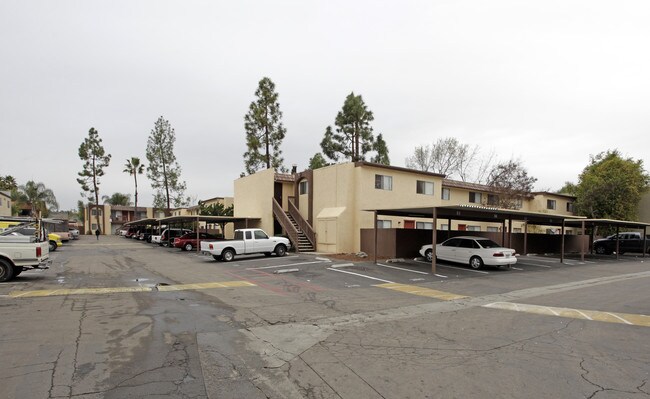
(188, 247)
(228, 255)
(52, 246)
(6, 271)
(217, 257)
(429, 255)
(280, 250)
(475, 262)
(600, 250)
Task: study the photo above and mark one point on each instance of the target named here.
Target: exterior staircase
(300, 232)
(304, 245)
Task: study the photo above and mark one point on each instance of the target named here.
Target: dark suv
(627, 242)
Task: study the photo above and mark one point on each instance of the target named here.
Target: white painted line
(265, 258)
(285, 265)
(582, 314)
(467, 270)
(429, 263)
(620, 318)
(342, 265)
(531, 264)
(323, 259)
(401, 268)
(544, 260)
(516, 268)
(360, 275)
(552, 311)
(282, 271)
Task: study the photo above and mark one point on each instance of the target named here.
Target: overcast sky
(548, 82)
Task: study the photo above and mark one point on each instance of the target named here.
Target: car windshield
(488, 244)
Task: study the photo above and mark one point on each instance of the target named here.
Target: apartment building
(112, 217)
(336, 201)
(5, 203)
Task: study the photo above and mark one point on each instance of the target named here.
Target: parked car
(247, 241)
(54, 239)
(168, 235)
(627, 242)
(155, 239)
(472, 251)
(74, 234)
(188, 241)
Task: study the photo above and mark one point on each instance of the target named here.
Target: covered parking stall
(593, 224)
(147, 224)
(473, 213)
(195, 221)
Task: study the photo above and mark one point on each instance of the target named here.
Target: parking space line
(429, 263)
(467, 270)
(532, 264)
(285, 265)
(358, 274)
(116, 290)
(515, 268)
(591, 315)
(401, 268)
(420, 291)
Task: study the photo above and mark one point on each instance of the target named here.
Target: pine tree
(92, 152)
(264, 130)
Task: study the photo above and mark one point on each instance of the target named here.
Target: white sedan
(472, 251)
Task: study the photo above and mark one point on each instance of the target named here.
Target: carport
(592, 224)
(475, 213)
(209, 220)
(146, 223)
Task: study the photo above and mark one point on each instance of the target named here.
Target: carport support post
(525, 237)
(375, 233)
(510, 233)
(645, 240)
(562, 246)
(617, 238)
(198, 245)
(503, 233)
(433, 240)
(582, 243)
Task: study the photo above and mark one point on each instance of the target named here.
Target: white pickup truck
(18, 253)
(247, 241)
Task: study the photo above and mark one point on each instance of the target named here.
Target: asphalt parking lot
(120, 318)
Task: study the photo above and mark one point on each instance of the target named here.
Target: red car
(188, 241)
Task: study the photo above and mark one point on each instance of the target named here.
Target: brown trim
(397, 168)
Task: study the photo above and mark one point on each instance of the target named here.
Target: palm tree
(135, 168)
(117, 199)
(39, 197)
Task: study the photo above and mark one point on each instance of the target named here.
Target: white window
(93, 227)
(570, 207)
(492, 229)
(516, 229)
(384, 224)
(303, 187)
(492, 199)
(424, 225)
(444, 227)
(446, 194)
(550, 204)
(474, 198)
(473, 228)
(424, 187)
(384, 182)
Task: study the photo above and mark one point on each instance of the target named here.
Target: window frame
(383, 182)
(421, 187)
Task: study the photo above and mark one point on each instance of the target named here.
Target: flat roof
(607, 222)
(477, 213)
(204, 218)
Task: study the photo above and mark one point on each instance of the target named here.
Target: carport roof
(204, 218)
(477, 213)
(141, 222)
(607, 222)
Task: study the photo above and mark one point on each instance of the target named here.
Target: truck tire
(228, 255)
(280, 250)
(52, 246)
(188, 247)
(6, 270)
(217, 257)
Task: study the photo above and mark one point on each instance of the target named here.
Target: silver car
(472, 251)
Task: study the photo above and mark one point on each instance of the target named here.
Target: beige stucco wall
(539, 204)
(253, 198)
(5, 204)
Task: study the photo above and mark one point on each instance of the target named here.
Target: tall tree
(611, 186)
(163, 170)
(512, 183)
(382, 151)
(117, 199)
(264, 130)
(80, 210)
(39, 197)
(8, 183)
(134, 168)
(353, 138)
(216, 209)
(92, 152)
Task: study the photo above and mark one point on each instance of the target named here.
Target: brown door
(409, 224)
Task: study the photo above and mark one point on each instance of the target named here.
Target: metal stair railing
(304, 225)
(286, 224)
